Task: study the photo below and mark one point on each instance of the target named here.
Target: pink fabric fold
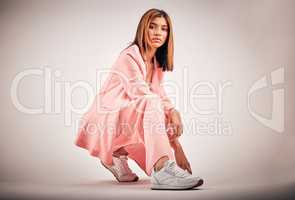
(128, 112)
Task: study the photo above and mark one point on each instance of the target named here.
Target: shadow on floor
(141, 184)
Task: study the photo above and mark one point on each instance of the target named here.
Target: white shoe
(173, 177)
(121, 170)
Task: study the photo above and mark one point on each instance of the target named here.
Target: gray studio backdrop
(233, 84)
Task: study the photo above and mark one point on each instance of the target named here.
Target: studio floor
(110, 189)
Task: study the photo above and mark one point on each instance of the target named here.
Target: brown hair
(164, 54)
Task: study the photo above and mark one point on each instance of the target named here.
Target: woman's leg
(142, 124)
(160, 163)
(119, 152)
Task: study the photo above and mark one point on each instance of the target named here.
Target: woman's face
(157, 32)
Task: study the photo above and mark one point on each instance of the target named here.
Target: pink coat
(126, 99)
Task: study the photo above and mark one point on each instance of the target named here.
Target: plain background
(215, 41)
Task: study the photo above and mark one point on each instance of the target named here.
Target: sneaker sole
(169, 187)
(116, 175)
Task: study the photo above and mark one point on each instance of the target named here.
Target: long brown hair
(164, 54)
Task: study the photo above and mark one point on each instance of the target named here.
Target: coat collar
(134, 51)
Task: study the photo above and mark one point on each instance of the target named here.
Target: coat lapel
(157, 74)
(135, 53)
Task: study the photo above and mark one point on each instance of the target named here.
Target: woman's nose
(157, 32)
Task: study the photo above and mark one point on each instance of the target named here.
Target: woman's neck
(149, 55)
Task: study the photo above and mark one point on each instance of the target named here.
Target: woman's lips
(156, 40)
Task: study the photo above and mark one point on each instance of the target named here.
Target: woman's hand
(176, 124)
(180, 157)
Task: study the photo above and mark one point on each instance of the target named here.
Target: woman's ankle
(160, 163)
(119, 152)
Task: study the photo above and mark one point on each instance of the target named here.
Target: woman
(132, 117)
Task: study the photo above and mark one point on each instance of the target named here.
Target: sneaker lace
(124, 165)
(175, 170)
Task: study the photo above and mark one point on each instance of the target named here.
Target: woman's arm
(174, 118)
(175, 144)
(168, 105)
(180, 156)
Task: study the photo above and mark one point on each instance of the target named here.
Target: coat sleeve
(134, 84)
(168, 105)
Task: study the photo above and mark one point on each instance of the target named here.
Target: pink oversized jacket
(124, 85)
(127, 81)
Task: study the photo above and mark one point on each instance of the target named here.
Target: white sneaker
(121, 170)
(174, 178)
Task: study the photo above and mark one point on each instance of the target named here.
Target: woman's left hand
(176, 124)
